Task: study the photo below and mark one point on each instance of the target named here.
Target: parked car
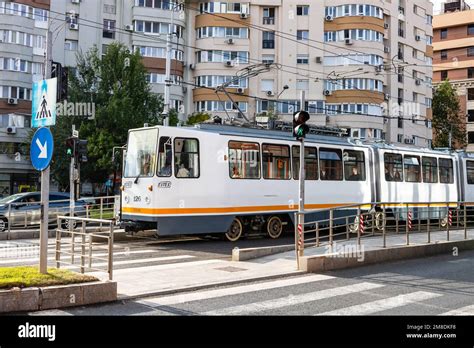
(24, 210)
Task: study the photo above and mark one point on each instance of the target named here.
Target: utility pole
(44, 218)
(169, 43)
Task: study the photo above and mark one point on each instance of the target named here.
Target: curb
(60, 296)
(206, 286)
(253, 253)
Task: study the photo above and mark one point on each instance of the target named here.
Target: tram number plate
(137, 198)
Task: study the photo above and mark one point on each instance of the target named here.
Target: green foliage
(198, 117)
(447, 117)
(174, 120)
(122, 100)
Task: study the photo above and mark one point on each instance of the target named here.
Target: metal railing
(77, 228)
(381, 219)
(26, 215)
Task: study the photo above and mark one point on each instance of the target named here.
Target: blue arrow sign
(41, 150)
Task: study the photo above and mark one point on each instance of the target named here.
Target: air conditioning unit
(230, 41)
(229, 63)
(386, 25)
(73, 26)
(349, 42)
(319, 60)
(327, 92)
(129, 27)
(192, 66)
(386, 49)
(240, 90)
(418, 82)
(11, 130)
(378, 68)
(386, 96)
(329, 18)
(417, 37)
(12, 101)
(185, 90)
(270, 93)
(409, 141)
(244, 15)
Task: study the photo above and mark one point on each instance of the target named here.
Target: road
(426, 286)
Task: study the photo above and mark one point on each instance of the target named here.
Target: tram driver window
(310, 163)
(430, 170)
(276, 161)
(446, 171)
(330, 164)
(141, 153)
(165, 157)
(393, 167)
(470, 172)
(186, 158)
(244, 160)
(354, 165)
(412, 168)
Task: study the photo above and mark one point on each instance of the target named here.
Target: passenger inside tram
(183, 172)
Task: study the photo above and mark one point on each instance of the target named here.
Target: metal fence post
(331, 217)
(317, 233)
(9, 220)
(383, 227)
(465, 222)
(429, 224)
(447, 223)
(397, 215)
(407, 228)
(58, 245)
(73, 240)
(101, 210)
(111, 251)
(373, 221)
(83, 246)
(347, 228)
(359, 225)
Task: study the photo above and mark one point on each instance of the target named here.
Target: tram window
(165, 157)
(354, 165)
(186, 158)
(330, 164)
(446, 171)
(310, 162)
(430, 170)
(412, 168)
(393, 167)
(470, 172)
(276, 161)
(141, 153)
(244, 160)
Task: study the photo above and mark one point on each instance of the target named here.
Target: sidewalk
(170, 278)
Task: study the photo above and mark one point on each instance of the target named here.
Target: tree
(198, 117)
(447, 117)
(116, 83)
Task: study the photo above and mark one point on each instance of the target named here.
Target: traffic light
(71, 146)
(62, 87)
(81, 150)
(300, 128)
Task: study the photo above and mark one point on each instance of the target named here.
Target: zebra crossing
(279, 297)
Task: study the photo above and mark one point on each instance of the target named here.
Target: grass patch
(107, 214)
(29, 276)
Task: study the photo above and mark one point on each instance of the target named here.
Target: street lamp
(285, 87)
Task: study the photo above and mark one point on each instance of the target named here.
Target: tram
(230, 180)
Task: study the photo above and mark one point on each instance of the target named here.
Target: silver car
(24, 209)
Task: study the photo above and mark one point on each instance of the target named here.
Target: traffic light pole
(300, 230)
(72, 187)
(44, 204)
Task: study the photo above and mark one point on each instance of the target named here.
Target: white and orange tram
(224, 179)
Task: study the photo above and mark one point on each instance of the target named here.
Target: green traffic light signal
(300, 128)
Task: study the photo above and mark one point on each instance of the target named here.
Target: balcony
(268, 44)
(268, 20)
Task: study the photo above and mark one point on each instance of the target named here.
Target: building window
(470, 137)
(400, 122)
(70, 45)
(444, 75)
(109, 29)
(302, 85)
(470, 73)
(470, 94)
(267, 85)
(268, 58)
(302, 35)
(443, 34)
(470, 51)
(470, 29)
(310, 163)
(268, 39)
(186, 158)
(302, 59)
(269, 15)
(276, 161)
(444, 54)
(470, 116)
(302, 10)
(244, 160)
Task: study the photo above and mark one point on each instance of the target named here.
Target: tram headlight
(127, 199)
(147, 200)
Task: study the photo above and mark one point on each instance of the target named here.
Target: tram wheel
(235, 231)
(274, 227)
(354, 226)
(379, 220)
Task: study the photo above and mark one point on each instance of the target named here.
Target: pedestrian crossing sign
(43, 109)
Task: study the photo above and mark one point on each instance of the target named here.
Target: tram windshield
(141, 153)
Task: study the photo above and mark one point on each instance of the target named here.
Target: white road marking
(385, 304)
(468, 310)
(293, 299)
(207, 294)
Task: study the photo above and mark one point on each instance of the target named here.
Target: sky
(437, 5)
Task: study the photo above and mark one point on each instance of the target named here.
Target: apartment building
(364, 65)
(23, 31)
(454, 57)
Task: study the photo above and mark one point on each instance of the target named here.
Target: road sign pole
(300, 221)
(44, 222)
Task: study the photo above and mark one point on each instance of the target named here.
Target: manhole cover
(231, 269)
